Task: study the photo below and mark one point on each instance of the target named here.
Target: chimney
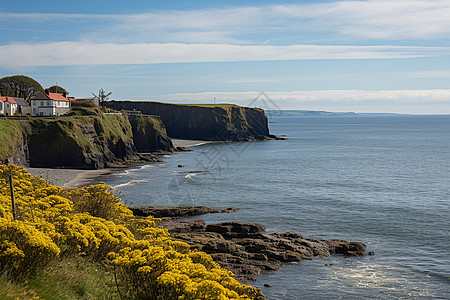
(47, 91)
(65, 94)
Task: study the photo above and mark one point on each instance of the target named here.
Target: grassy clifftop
(78, 141)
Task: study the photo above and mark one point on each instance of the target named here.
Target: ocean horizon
(381, 180)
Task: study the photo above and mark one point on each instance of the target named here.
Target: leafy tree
(102, 96)
(57, 89)
(20, 86)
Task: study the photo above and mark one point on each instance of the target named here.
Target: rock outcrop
(245, 248)
(220, 123)
(176, 212)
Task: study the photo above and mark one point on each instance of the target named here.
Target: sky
(361, 56)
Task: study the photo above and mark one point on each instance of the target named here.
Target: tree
(102, 97)
(57, 89)
(20, 86)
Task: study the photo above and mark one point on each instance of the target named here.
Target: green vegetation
(20, 86)
(146, 122)
(65, 278)
(57, 89)
(84, 108)
(82, 243)
(10, 138)
(55, 132)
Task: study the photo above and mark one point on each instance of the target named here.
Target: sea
(380, 180)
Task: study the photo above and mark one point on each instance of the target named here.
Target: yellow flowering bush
(52, 221)
(23, 248)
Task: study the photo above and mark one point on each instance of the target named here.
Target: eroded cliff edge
(219, 123)
(83, 142)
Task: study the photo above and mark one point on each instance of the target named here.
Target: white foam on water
(130, 183)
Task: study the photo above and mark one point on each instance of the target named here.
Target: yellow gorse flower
(53, 221)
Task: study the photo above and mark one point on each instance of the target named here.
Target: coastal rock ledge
(245, 248)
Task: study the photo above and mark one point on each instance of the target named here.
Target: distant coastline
(322, 113)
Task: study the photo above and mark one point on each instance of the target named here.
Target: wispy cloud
(79, 53)
(371, 19)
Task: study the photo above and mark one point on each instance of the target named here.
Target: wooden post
(13, 202)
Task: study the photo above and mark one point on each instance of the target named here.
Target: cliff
(218, 123)
(149, 134)
(82, 142)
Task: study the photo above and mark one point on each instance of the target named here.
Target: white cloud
(371, 19)
(377, 19)
(428, 74)
(79, 53)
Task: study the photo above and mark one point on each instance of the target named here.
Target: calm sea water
(384, 181)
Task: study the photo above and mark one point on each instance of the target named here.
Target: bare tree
(102, 97)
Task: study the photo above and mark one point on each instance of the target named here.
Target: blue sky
(364, 56)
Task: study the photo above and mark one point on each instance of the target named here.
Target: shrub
(23, 248)
(92, 222)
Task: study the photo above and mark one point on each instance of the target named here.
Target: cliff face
(227, 123)
(149, 134)
(80, 142)
(85, 142)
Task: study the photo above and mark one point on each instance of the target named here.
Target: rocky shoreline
(245, 248)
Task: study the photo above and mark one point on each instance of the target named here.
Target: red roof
(50, 96)
(57, 97)
(8, 99)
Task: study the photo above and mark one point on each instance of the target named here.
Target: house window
(42, 103)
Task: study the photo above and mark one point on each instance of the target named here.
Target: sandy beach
(189, 143)
(69, 177)
(76, 178)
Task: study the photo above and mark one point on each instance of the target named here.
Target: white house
(8, 105)
(49, 104)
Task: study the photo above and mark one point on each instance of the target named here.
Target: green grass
(67, 278)
(10, 138)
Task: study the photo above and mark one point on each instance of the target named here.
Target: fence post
(13, 202)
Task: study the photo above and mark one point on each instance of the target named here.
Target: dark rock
(180, 166)
(187, 226)
(236, 229)
(90, 142)
(371, 253)
(233, 123)
(245, 249)
(347, 248)
(267, 285)
(176, 212)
